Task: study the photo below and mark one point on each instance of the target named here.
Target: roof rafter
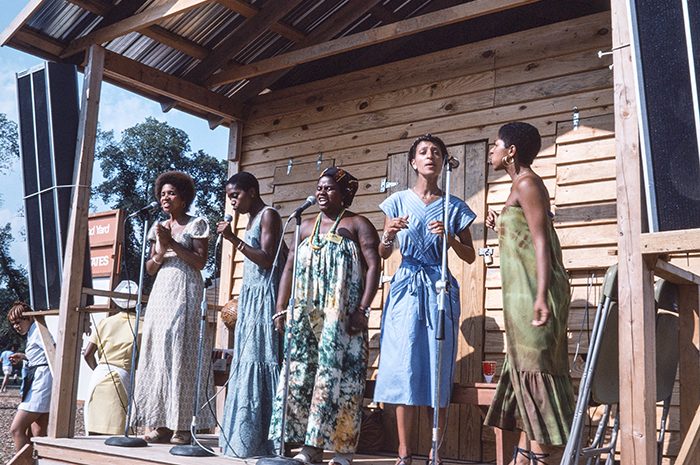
(246, 9)
(250, 30)
(152, 15)
(19, 20)
(341, 19)
(150, 80)
(374, 36)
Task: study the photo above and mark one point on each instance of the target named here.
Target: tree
(14, 284)
(131, 165)
(9, 142)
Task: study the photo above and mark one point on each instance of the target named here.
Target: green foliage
(131, 165)
(13, 286)
(9, 142)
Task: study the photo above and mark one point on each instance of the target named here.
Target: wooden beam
(675, 274)
(690, 448)
(19, 21)
(139, 76)
(341, 19)
(70, 322)
(98, 7)
(637, 315)
(246, 9)
(407, 27)
(250, 30)
(689, 352)
(48, 44)
(24, 456)
(47, 339)
(152, 15)
(687, 240)
(175, 41)
(224, 337)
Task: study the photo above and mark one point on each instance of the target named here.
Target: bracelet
(156, 261)
(240, 245)
(386, 241)
(279, 314)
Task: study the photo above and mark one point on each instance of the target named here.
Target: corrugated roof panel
(57, 19)
(268, 44)
(204, 27)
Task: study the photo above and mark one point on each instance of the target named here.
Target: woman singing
(534, 393)
(337, 278)
(165, 379)
(255, 367)
(413, 224)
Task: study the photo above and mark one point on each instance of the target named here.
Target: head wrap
(347, 183)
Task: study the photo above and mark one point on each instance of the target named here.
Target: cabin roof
(213, 57)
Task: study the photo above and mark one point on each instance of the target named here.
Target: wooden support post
(49, 344)
(71, 322)
(689, 363)
(224, 337)
(635, 274)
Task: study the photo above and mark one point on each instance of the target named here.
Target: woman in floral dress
(337, 278)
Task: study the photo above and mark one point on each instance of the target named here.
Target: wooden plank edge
(686, 240)
(691, 443)
(20, 20)
(675, 274)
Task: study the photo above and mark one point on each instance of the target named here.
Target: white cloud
(120, 110)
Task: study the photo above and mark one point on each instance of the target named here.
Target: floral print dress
(328, 365)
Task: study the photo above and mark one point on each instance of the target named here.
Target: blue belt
(420, 286)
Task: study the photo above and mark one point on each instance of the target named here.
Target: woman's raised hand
(490, 220)
(164, 235)
(395, 225)
(224, 227)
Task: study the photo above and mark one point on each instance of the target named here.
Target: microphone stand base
(278, 460)
(126, 441)
(191, 450)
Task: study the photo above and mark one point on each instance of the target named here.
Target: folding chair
(600, 380)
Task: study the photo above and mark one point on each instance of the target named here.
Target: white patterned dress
(166, 373)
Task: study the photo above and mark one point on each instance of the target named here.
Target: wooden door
(463, 433)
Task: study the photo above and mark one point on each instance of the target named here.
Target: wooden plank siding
(361, 120)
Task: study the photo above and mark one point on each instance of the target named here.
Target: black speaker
(48, 125)
(666, 44)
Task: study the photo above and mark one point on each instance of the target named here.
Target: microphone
(453, 162)
(310, 200)
(147, 209)
(227, 218)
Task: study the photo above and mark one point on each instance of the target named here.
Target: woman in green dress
(337, 278)
(534, 393)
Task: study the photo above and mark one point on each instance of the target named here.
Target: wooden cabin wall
(463, 95)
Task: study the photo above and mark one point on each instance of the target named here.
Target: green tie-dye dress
(534, 393)
(328, 365)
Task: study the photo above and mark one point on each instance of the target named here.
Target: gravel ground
(8, 406)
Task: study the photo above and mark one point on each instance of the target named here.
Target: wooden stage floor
(92, 451)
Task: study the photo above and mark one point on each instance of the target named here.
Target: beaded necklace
(316, 242)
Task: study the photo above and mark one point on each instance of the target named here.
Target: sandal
(520, 451)
(536, 458)
(309, 454)
(181, 437)
(158, 435)
(341, 459)
(407, 460)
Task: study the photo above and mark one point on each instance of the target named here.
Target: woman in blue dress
(256, 346)
(414, 225)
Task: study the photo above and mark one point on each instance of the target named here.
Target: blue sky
(119, 110)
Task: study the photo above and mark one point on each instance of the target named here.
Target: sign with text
(106, 233)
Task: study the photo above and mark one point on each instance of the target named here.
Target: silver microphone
(227, 218)
(310, 200)
(147, 209)
(453, 162)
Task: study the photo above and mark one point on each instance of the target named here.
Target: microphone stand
(280, 459)
(442, 287)
(195, 448)
(126, 440)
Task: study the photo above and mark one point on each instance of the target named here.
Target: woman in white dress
(33, 412)
(165, 378)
